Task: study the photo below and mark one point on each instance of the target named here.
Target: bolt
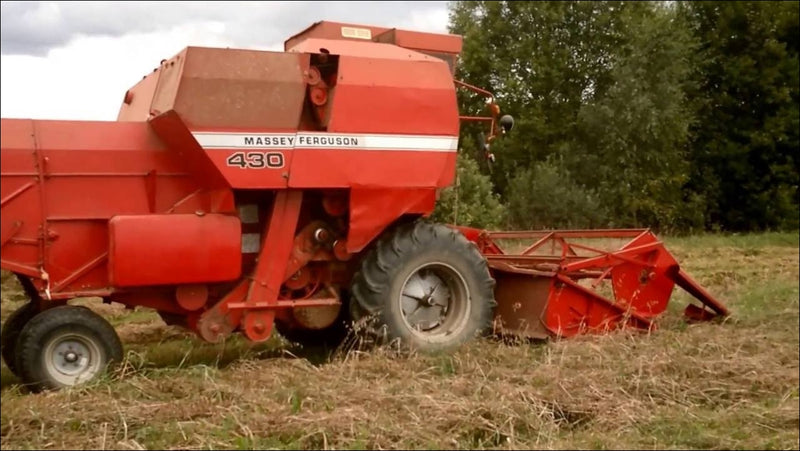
(214, 328)
(321, 235)
(259, 327)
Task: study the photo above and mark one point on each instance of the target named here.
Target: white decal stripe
(409, 143)
(279, 141)
(237, 140)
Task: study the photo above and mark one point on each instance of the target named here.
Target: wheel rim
(71, 359)
(434, 301)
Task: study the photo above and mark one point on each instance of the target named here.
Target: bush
(471, 200)
(546, 197)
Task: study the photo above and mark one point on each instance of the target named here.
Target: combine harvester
(246, 191)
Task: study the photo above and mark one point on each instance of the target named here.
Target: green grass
(747, 241)
(722, 385)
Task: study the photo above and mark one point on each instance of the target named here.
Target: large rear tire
(425, 286)
(66, 346)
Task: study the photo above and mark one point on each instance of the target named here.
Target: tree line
(680, 116)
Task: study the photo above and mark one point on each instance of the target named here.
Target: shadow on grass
(155, 349)
(188, 351)
(7, 378)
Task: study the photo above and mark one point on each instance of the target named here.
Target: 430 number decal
(256, 160)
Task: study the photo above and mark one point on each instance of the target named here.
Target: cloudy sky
(75, 60)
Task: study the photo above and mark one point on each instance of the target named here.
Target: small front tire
(66, 346)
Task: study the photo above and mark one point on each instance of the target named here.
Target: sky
(75, 60)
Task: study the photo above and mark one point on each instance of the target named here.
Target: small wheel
(11, 330)
(427, 286)
(66, 346)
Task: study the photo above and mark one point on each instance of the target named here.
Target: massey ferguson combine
(245, 191)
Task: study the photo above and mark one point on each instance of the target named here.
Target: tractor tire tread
(372, 282)
(35, 333)
(12, 327)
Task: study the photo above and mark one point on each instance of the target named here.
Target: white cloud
(76, 60)
(433, 21)
(87, 79)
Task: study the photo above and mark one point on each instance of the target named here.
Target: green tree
(745, 145)
(597, 86)
(632, 138)
(545, 196)
(471, 200)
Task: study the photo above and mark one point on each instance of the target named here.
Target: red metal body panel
(231, 88)
(333, 30)
(80, 174)
(413, 86)
(317, 168)
(172, 255)
(21, 199)
(361, 49)
(206, 88)
(416, 98)
(175, 135)
(366, 202)
(425, 42)
(443, 46)
(388, 152)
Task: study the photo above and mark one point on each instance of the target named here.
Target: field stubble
(725, 385)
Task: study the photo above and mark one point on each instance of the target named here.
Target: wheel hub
(426, 298)
(72, 358)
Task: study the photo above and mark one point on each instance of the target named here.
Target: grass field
(725, 385)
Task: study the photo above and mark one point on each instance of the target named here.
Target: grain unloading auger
(246, 191)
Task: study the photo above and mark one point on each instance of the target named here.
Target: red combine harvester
(241, 191)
